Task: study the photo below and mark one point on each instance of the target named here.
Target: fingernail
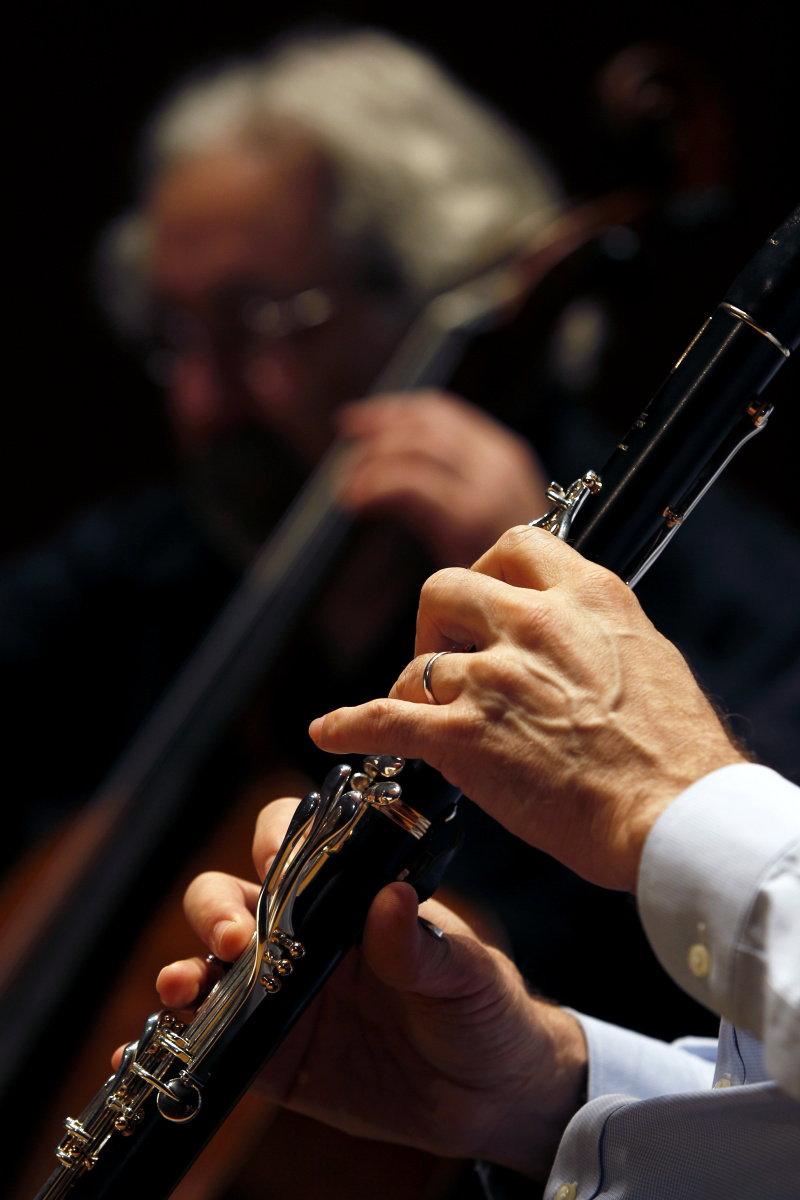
(218, 933)
(315, 729)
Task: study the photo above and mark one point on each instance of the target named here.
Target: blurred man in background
(299, 211)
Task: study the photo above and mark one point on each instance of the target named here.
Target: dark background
(81, 423)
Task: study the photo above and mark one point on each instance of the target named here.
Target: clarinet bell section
(179, 1081)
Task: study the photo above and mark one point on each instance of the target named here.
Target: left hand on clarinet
(573, 722)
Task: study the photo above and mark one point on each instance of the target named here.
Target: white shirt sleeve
(622, 1062)
(719, 898)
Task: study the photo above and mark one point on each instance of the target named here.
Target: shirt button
(699, 960)
(567, 1191)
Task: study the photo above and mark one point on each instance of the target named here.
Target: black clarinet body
(175, 1086)
(703, 414)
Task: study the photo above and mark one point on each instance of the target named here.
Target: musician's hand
(575, 723)
(424, 1041)
(451, 473)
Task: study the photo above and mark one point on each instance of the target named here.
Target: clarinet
(177, 1083)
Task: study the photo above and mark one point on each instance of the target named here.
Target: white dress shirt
(719, 897)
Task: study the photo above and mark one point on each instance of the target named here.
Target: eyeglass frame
(260, 320)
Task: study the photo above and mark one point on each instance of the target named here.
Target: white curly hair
(430, 179)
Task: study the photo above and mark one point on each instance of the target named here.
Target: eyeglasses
(236, 324)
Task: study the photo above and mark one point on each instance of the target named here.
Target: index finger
(385, 726)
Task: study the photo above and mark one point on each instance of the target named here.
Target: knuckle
(408, 677)
(347, 728)
(527, 617)
(203, 899)
(391, 726)
(540, 617)
(433, 585)
(461, 733)
(439, 584)
(199, 886)
(606, 589)
(382, 713)
(497, 678)
(514, 543)
(508, 542)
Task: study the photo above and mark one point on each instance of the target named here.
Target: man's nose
(204, 400)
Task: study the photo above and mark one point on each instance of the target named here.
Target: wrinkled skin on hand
(573, 722)
(427, 1042)
(452, 474)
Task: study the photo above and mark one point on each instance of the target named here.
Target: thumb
(408, 957)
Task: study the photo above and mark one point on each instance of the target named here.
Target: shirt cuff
(702, 866)
(622, 1062)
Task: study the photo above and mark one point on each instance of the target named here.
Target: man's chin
(239, 488)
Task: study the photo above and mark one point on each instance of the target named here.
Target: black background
(81, 423)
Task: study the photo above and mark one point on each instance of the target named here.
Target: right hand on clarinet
(418, 1039)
